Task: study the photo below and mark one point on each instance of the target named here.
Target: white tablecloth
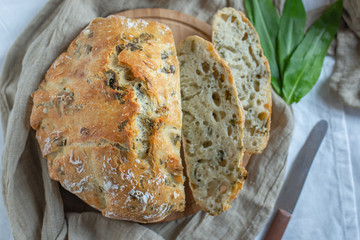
(327, 207)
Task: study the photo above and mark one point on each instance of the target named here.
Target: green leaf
(291, 31)
(265, 19)
(305, 63)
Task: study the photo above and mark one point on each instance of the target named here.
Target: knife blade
(295, 180)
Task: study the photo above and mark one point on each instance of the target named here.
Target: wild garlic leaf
(291, 31)
(305, 63)
(265, 19)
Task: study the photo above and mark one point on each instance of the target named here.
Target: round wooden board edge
(162, 13)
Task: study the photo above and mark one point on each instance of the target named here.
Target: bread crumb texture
(213, 124)
(108, 119)
(237, 42)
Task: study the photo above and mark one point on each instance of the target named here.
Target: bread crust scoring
(108, 119)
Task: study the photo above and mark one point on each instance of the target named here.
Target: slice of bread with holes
(237, 42)
(213, 123)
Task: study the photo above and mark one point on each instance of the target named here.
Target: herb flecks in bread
(108, 119)
(213, 124)
(237, 42)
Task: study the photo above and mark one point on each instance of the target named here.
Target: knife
(294, 182)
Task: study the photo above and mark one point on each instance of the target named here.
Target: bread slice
(213, 124)
(237, 42)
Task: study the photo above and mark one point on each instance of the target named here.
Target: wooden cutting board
(182, 25)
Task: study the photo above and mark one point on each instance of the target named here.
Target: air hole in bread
(216, 99)
(227, 95)
(252, 130)
(210, 130)
(205, 67)
(257, 86)
(245, 36)
(224, 17)
(253, 56)
(252, 96)
(229, 130)
(206, 123)
(222, 163)
(258, 102)
(221, 155)
(262, 116)
(246, 60)
(198, 72)
(188, 117)
(243, 86)
(222, 77)
(233, 18)
(207, 144)
(215, 72)
(222, 114)
(216, 117)
(197, 123)
(220, 85)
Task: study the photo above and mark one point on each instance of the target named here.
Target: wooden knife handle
(278, 225)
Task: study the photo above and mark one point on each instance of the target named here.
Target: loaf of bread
(213, 123)
(237, 42)
(108, 119)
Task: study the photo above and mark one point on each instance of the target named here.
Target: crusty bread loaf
(213, 124)
(238, 43)
(108, 119)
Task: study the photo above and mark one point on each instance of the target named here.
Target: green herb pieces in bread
(213, 124)
(237, 42)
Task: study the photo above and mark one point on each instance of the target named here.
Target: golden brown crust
(108, 119)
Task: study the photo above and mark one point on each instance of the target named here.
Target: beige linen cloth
(39, 208)
(345, 80)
